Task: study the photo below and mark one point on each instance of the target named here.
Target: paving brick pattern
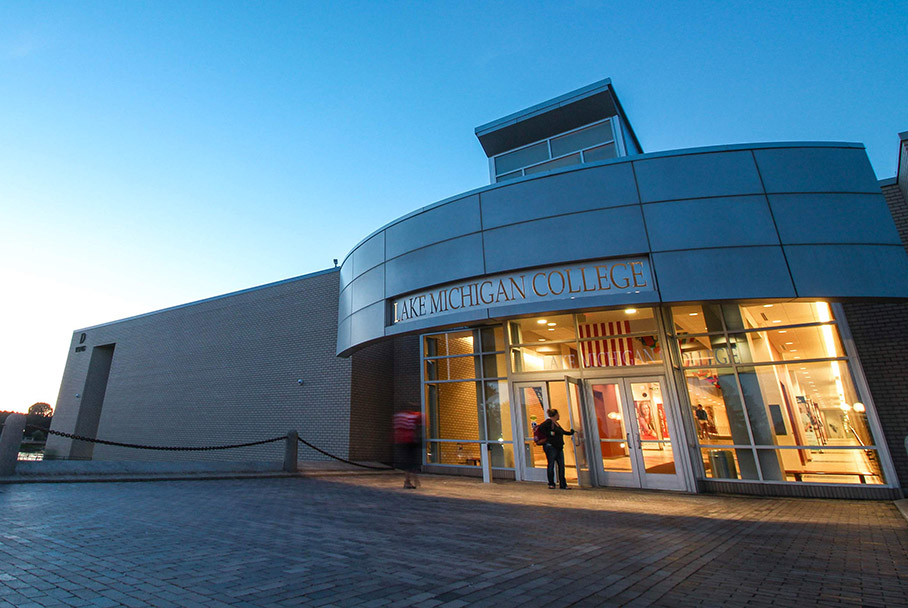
(364, 541)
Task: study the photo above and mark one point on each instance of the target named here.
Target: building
(709, 320)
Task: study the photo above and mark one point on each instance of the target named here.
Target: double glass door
(635, 428)
(624, 431)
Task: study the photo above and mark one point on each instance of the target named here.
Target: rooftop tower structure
(583, 126)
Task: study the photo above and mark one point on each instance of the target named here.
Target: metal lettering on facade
(604, 277)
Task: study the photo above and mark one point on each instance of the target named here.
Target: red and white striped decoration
(607, 352)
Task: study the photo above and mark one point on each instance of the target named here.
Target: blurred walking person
(408, 445)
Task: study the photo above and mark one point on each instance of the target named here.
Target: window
(588, 144)
(466, 395)
(771, 394)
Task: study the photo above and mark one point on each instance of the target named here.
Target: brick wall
(219, 371)
(372, 402)
(386, 379)
(880, 332)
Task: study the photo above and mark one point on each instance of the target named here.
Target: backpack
(539, 437)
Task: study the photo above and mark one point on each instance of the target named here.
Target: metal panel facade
(733, 222)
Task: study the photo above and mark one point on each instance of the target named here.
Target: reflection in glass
(545, 357)
(521, 158)
(601, 153)
(582, 138)
(564, 161)
(605, 342)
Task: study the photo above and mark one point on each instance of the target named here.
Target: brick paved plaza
(364, 541)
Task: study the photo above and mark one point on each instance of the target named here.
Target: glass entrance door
(533, 399)
(635, 429)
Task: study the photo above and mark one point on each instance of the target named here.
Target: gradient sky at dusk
(155, 153)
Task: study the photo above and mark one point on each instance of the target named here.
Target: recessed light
(789, 343)
(783, 331)
(551, 329)
(797, 357)
(777, 321)
(693, 314)
(541, 321)
(542, 339)
(551, 324)
(767, 306)
(793, 350)
(630, 311)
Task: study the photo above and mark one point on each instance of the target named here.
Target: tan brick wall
(220, 371)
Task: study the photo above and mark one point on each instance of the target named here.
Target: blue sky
(155, 153)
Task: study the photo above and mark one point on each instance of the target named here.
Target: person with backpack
(550, 436)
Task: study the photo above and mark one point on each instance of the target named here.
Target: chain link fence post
(10, 440)
(290, 451)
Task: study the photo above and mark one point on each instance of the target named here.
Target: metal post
(290, 451)
(486, 460)
(10, 440)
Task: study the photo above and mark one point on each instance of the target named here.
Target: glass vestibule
(772, 396)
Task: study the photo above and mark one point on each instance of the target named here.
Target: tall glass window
(466, 397)
(772, 395)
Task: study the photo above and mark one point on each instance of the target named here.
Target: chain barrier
(156, 447)
(356, 464)
(202, 449)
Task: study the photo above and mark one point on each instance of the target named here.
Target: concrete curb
(94, 472)
(178, 477)
(902, 506)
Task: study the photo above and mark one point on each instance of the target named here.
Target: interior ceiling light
(541, 321)
(777, 321)
(542, 339)
(767, 306)
(551, 329)
(551, 324)
(797, 357)
(789, 343)
(693, 314)
(630, 311)
(783, 331)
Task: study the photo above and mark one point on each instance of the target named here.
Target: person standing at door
(554, 447)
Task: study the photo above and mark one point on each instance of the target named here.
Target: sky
(157, 153)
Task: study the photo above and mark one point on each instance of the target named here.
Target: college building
(721, 319)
